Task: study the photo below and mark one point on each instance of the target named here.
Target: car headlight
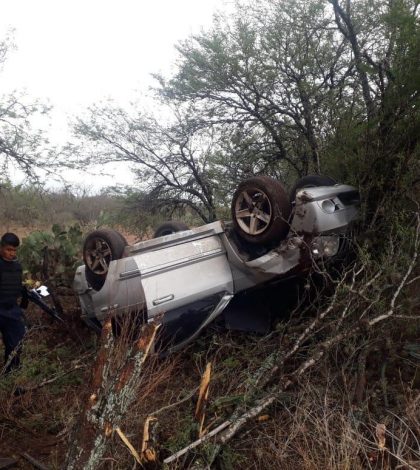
(328, 206)
(325, 246)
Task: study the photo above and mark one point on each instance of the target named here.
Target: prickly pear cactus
(52, 255)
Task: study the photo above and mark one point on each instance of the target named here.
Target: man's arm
(24, 299)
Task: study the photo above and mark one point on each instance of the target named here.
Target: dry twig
(130, 447)
(200, 410)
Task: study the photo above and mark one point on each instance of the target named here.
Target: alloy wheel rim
(98, 256)
(253, 211)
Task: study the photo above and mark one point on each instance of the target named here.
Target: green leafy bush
(53, 255)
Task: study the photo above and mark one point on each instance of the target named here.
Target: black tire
(170, 227)
(125, 242)
(260, 210)
(96, 281)
(99, 249)
(311, 181)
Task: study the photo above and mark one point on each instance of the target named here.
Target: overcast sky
(74, 53)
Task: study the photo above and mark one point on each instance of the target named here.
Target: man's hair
(10, 239)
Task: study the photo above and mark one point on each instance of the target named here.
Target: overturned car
(189, 277)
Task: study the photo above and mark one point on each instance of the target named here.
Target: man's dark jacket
(10, 286)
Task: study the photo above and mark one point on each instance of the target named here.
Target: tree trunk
(111, 394)
(345, 25)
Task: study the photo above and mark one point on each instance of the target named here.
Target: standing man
(12, 327)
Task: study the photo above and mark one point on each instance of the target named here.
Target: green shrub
(52, 255)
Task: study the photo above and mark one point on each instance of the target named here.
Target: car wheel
(99, 249)
(260, 210)
(311, 181)
(170, 227)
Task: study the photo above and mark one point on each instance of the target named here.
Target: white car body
(191, 276)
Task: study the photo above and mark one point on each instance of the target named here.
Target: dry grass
(319, 428)
(315, 426)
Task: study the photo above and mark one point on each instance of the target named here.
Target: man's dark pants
(12, 329)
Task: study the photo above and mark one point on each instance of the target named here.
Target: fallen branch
(200, 410)
(130, 447)
(55, 378)
(34, 462)
(278, 358)
(197, 442)
(148, 453)
(177, 403)
(112, 393)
